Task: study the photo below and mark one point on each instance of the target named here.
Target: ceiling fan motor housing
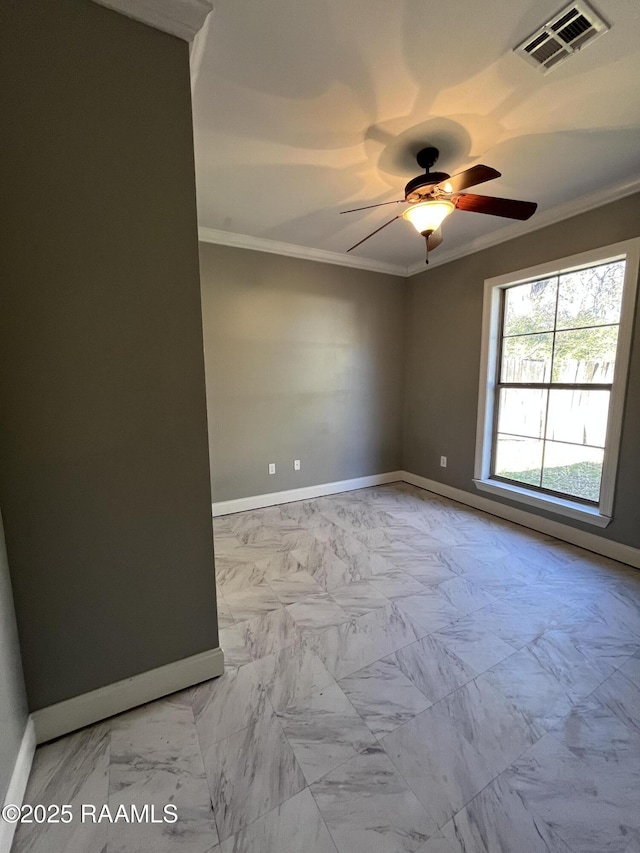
(421, 187)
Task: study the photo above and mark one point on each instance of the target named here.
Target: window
(556, 341)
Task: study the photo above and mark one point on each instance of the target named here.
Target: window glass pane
(519, 459)
(522, 411)
(573, 470)
(590, 297)
(530, 307)
(585, 355)
(527, 358)
(578, 416)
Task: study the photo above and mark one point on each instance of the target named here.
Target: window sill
(570, 509)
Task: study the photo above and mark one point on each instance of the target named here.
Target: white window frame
(600, 515)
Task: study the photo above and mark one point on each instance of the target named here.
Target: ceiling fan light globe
(428, 215)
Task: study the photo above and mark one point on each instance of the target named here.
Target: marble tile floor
(404, 675)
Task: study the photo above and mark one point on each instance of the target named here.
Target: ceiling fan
(434, 195)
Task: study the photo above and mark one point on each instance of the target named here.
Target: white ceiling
(304, 108)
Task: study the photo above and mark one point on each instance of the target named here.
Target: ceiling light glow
(427, 216)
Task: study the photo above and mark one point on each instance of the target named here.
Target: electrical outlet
(272, 467)
(296, 464)
(443, 461)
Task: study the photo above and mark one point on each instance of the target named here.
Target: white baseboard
(304, 494)
(18, 783)
(589, 541)
(72, 714)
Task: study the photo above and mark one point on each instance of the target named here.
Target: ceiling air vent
(562, 36)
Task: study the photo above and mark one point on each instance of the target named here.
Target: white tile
(72, 770)
(296, 825)
(233, 574)
(452, 750)
(523, 680)
(250, 773)
(622, 696)
(396, 584)
(434, 669)
(428, 611)
(593, 732)
(519, 623)
(383, 696)
(442, 767)
(324, 731)
(359, 598)
(591, 812)
(317, 611)
(291, 674)
(368, 806)
(464, 595)
(475, 645)
(224, 705)
(269, 633)
(497, 821)
(364, 639)
(438, 844)
(155, 760)
(251, 601)
(631, 668)
(225, 617)
(233, 642)
(294, 587)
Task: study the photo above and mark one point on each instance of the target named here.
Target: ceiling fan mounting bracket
(427, 157)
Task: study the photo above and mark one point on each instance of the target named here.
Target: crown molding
(274, 247)
(182, 18)
(541, 220)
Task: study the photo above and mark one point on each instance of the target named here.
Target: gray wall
(303, 361)
(444, 324)
(13, 700)
(104, 463)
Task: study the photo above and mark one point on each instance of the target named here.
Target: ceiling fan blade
(469, 178)
(510, 208)
(375, 232)
(369, 206)
(434, 239)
